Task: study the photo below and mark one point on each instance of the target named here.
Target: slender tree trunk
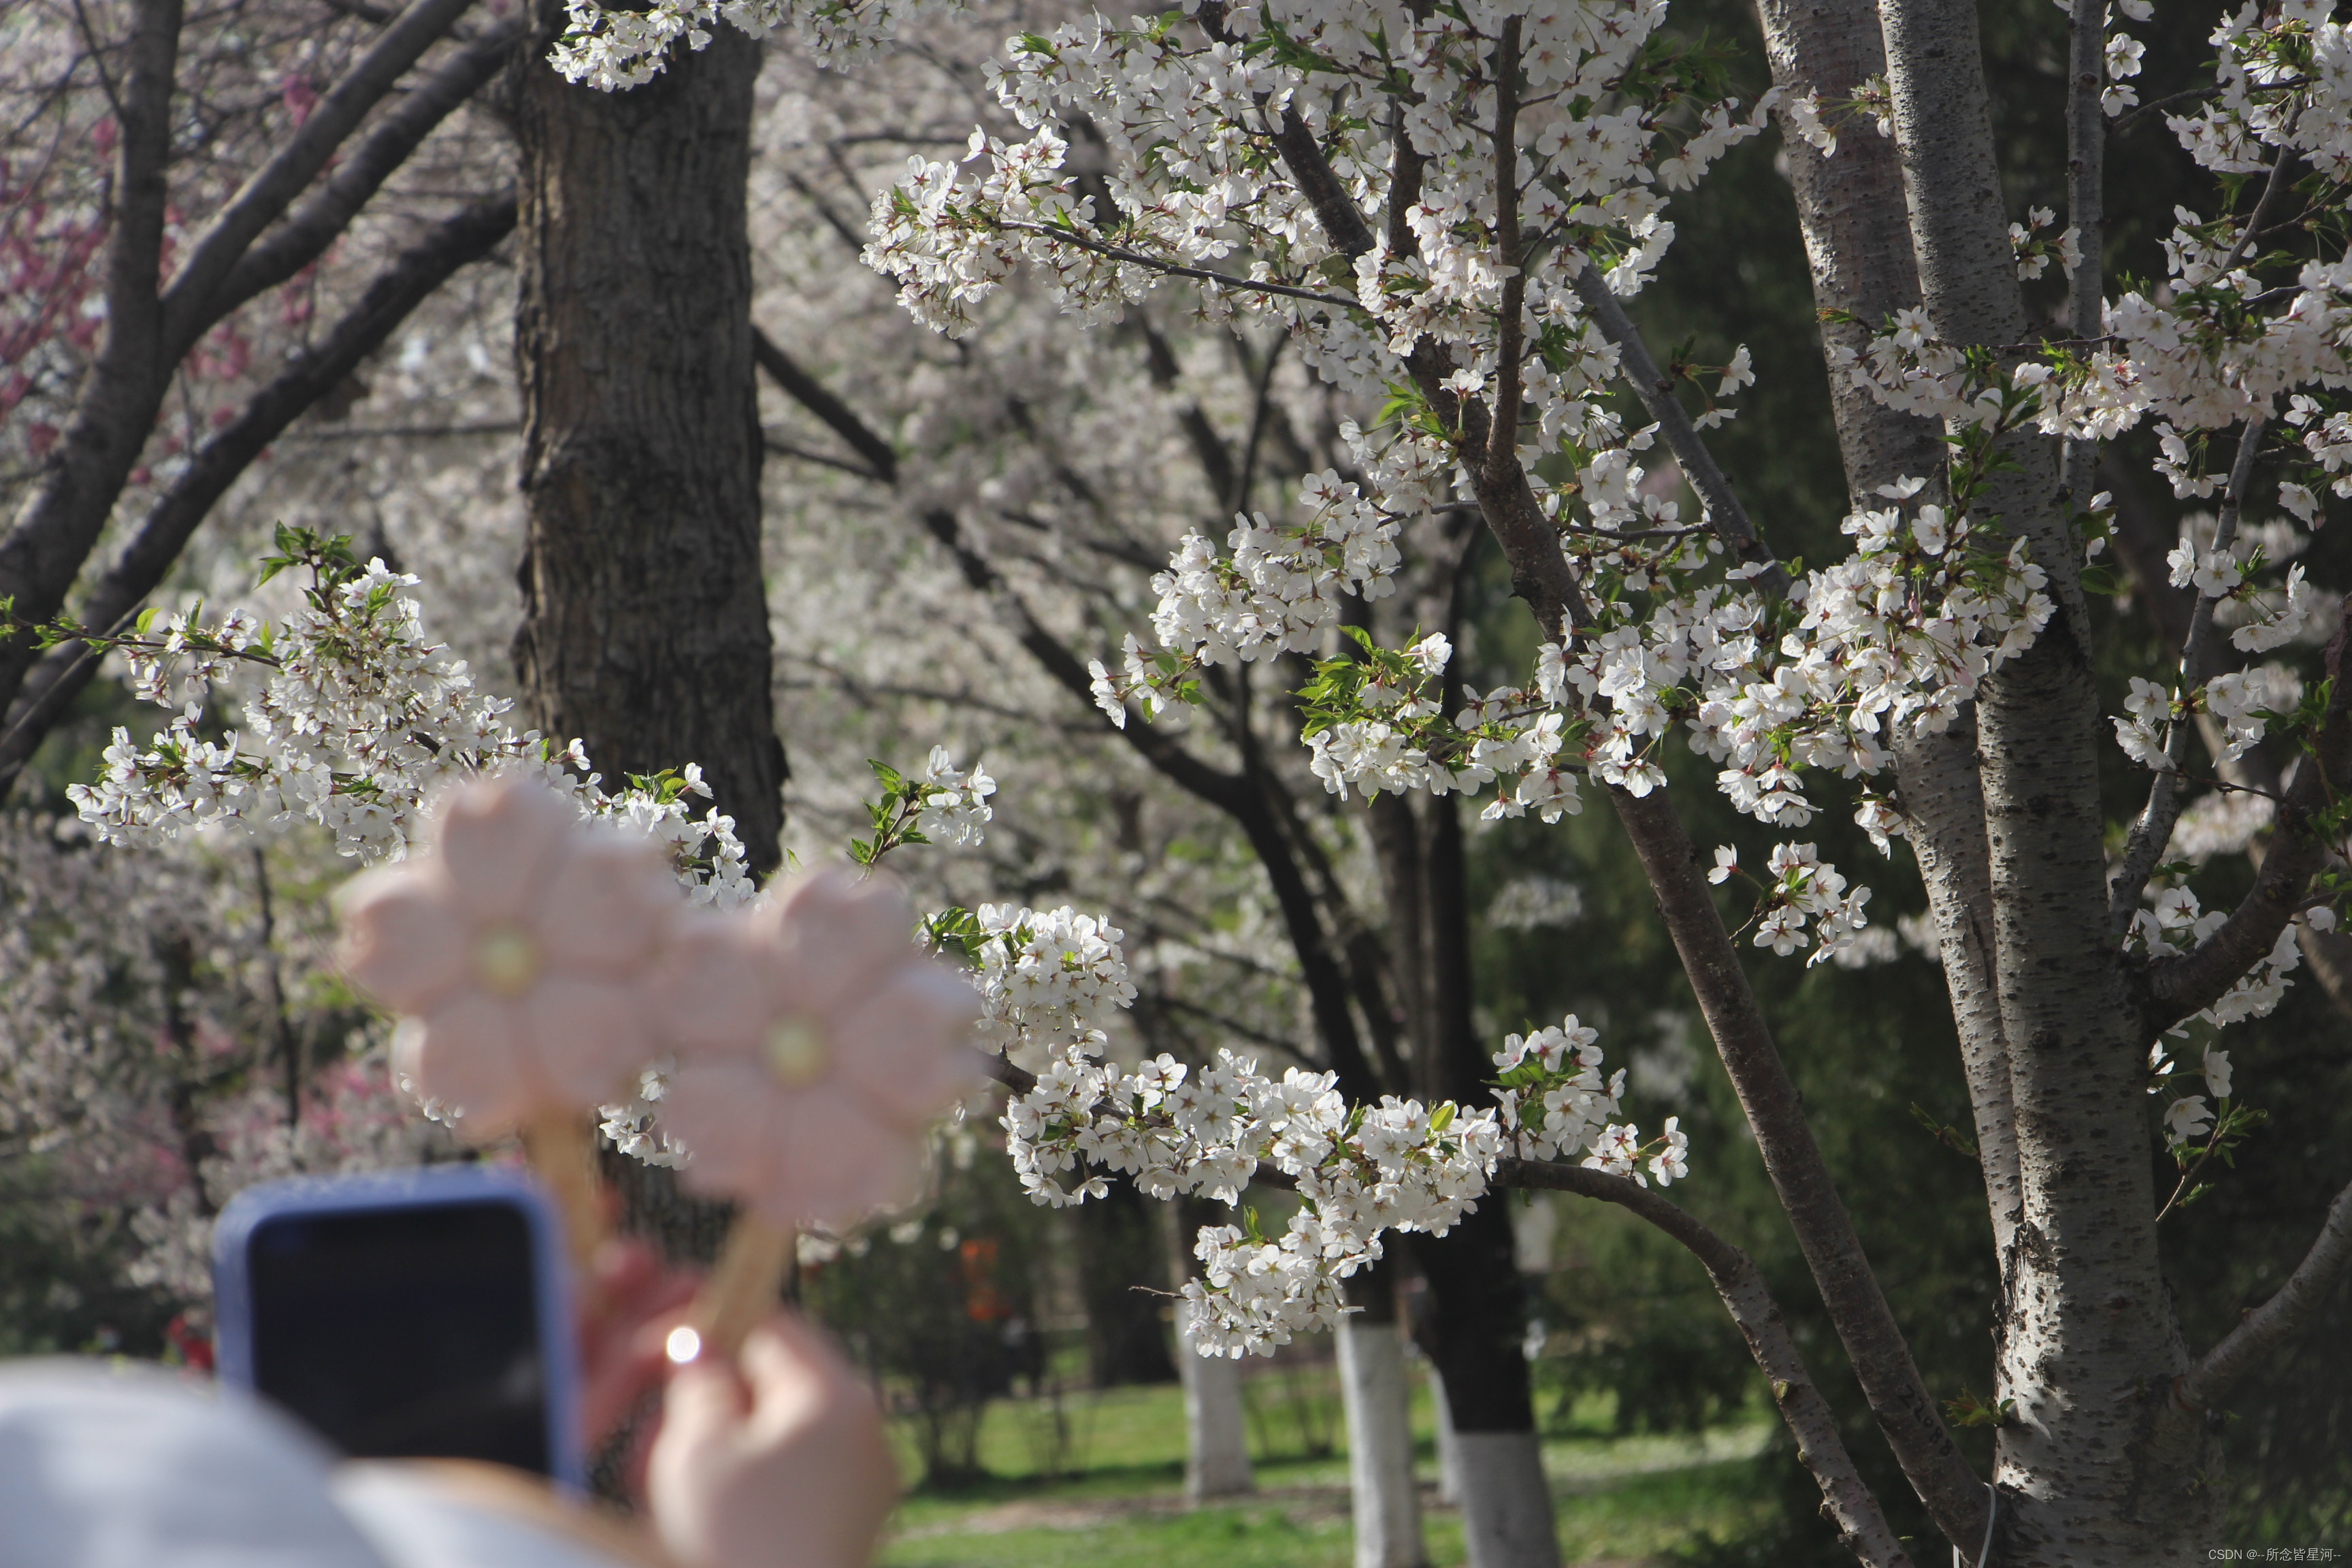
(1378, 1395)
(645, 614)
(1858, 243)
(1216, 1425)
(1449, 1455)
(2088, 1348)
(1477, 1318)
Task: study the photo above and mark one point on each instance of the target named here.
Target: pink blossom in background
(514, 948)
(815, 1043)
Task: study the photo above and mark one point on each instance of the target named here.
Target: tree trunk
(1477, 1321)
(1378, 1397)
(1216, 1425)
(1858, 244)
(1449, 1452)
(1119, 1253)
(645, 626)
(2088, 1346)
(644, 630)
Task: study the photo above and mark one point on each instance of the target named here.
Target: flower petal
(721, 1111)
(835, 1163)
(711, 993)
(404, 940)
(587, 1039)
(606, 905)
(904, 1046)
(842, 933)
(497, 842)
(464, 1055)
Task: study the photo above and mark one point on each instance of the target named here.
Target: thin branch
(812, 395)
(2132, 120)
(209, 258)
(801, 453)
(2152, 833)
(1177, 269)
(1725, 514)
(310, 228)
(59, 521)
(1502, 437)
(2276, 1320)
(2274, 189)
(1846, 1498)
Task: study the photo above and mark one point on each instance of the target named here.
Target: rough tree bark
(645, 614)
(645, 628)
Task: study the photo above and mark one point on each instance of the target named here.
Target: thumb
(705, 1399)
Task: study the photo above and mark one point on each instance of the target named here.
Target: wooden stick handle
(562, 1150)
(745, 1286)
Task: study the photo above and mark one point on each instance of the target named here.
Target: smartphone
(405, 1314)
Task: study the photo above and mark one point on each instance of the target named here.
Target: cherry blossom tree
(1494, 322)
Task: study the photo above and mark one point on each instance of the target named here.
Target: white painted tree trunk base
(1216, 1428)
(1505, 1508)
(1449, 1459)
(1379, 1403)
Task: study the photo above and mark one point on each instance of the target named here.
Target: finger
(706, 1400)
(788, 1348)
(623, 1264)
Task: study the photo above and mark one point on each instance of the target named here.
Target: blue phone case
(427, 1187)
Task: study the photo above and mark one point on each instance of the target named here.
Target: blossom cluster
(1804, 887)
(1360, 1171)
(609, 46)
(1895, 638)
(359, 719)
(1049, 981)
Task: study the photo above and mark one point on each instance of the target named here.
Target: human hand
(630, 1303)
(777, 1462)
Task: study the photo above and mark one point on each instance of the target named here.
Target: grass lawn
(1102, 1487)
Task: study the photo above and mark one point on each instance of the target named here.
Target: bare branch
(307, 232)
(1861, 1524)
(1725, 514)
(188, 298)
(1177, 269)
(60, 519)
(2152, 833)
(2276, 1320)
(812, 395)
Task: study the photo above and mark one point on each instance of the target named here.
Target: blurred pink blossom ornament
(815, 1043)
(516, 950)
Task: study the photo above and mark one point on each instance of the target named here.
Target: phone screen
(405, 1332)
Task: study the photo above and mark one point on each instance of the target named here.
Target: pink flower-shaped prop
(516, 950)
(815, 1042)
